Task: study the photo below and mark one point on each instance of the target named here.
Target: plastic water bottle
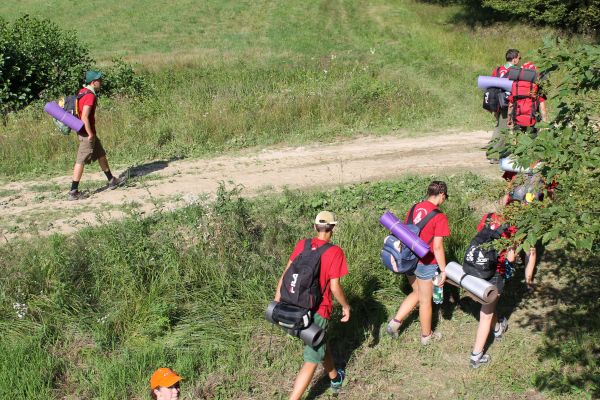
(438, 291)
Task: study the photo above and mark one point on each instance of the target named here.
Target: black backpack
(300, 284)
(481, 259)
(494, 98)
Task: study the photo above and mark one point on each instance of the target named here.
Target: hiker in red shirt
(513, 57)
(333, 267)
(487, 315)
(421, 280)
(90, 148)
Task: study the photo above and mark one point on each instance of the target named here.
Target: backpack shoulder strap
(428, 218)
(322, 249)
(87, 91)
(497, 72)
(411, 214)
(488, 218)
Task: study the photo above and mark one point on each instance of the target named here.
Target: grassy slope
(106, 306)
(229, 74)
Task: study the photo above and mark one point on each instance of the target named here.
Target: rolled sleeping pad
(58, 113)
(485, 82)
(507, 164)
(311, 336)
(480, 288)
(399, 230)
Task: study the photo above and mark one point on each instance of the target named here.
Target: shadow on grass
(472, 13)
(344, 338)
(568, 314)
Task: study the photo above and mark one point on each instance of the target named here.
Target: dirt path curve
(30, 207)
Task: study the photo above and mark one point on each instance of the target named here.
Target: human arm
(278, 291)
(544, 111)
(530, 266)
(440, 256)
(85, 117)
(338, 293)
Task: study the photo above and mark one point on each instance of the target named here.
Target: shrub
(38, 61)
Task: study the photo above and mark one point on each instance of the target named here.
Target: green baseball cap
(92, 76)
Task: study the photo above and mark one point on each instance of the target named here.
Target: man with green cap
(90, 147)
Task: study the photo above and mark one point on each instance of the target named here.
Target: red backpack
(525, 99)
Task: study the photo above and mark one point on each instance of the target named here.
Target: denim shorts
(426, 272)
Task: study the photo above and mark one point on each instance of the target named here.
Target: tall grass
(93, 314)
(230, 75)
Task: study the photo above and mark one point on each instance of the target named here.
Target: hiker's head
(94, 79)
(164, 384)
(513, 56)
(324, 223)
(437, 192)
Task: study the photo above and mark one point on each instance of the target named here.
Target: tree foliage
(575, 15)
(569, 147)
(38, 60)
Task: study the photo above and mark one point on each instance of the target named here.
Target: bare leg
(425, 299)
(486, 319)
(328, 364)
(410, 302)
(77, 172)
(303, 380)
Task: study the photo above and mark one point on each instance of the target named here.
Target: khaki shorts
(89, 151)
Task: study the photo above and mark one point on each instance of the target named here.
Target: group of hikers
(330, 265)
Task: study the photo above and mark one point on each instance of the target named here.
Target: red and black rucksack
(494, 98)
(524, 96)
(300, 284)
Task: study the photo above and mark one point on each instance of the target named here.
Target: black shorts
(498, 281)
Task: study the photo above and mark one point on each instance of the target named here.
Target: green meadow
(227, 75)
(91, 315)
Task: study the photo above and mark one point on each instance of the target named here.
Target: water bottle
(438, 291)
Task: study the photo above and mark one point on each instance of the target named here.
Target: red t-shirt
(500, 72)
(333, 265)
(495, 222)
(87, 100)
(438, 226)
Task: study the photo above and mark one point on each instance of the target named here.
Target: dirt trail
(40, 207)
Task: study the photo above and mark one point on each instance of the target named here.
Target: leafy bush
(575, 15)
(38, 60)
(570, 150)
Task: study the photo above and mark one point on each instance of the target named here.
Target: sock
(74, 185)
(394, 324)
(476, 356)
(338, 379)
(108, 174)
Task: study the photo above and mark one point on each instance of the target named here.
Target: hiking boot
(116, 182)
(476, 362)
(76, 195)
(503, 328)
(436, 336)
(337, 386)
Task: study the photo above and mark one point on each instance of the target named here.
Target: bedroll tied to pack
(70, 105)
(396, 255)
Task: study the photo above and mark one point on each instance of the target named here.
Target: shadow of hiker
(366, 318)
(473, 13)
(141, 170)
(565, 307)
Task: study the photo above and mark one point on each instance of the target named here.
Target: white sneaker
(432, 336)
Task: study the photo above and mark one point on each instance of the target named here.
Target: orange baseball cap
(163, 377)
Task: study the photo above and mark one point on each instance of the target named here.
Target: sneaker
(432, 336)
(503, 328)
(76, 195)
(116, 182)
(392, 332)
(337, 386)
(478, 362)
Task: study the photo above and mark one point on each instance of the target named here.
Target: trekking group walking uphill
(303, 300)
